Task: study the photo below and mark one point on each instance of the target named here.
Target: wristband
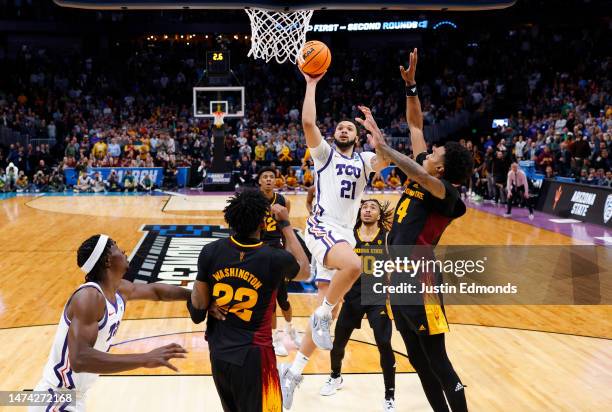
(282, 224)
(411, 90)
(197, 315)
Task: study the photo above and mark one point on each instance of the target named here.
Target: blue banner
(156, 173)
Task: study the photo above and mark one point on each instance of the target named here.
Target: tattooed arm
(412, 169)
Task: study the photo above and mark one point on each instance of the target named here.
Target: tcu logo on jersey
(348, 170)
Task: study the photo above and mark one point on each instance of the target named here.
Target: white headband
(95, 255)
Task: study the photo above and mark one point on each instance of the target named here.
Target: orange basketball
(317, 58)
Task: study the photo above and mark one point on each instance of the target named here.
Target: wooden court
(512, 358)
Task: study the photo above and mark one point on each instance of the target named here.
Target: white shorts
(78, 406)
(320, 238)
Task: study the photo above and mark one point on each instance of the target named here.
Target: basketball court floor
(512, 358)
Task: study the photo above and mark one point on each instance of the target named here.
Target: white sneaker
(297, 339)
(389, 405)
(507, 215)
(279, 347)
(320, 329)
(331, 386)
(288, 383)
(531, 216)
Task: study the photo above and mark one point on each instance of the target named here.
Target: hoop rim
(219, 116)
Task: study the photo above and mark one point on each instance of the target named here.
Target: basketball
(317, 58)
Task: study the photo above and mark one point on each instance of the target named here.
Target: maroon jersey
(243, 279)
(420, 218)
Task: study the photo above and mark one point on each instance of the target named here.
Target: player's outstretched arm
(377, 162)
(87, 308)
(292, 244)
(414, 116)
(152, 291)
(412, 169)
(309, 112)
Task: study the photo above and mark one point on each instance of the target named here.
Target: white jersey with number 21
(340, 182)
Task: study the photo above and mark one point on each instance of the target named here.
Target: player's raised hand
(162, 355)
(309, 79)
(369, 123)
(409, 75)
(279, 212)
(375, 140)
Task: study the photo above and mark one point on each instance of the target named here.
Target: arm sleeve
(320, 154)
(285, 264)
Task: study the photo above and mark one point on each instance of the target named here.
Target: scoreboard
(218, 62)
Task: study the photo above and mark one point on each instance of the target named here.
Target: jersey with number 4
(340, 182)
(243, 280)
(421, 218)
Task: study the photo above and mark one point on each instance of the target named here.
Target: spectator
(291, 179)
(377, 182)
(98, 185)
(114, 150)
(84, 183)
(22, 184)
(146, 184)
(488, 168)
(260, 152)
(112, 183)
(40, 181)
(56, 182)
(601, 160)
(279, 180)
(545, 159)
(11, 177)
(129, 183)
(99, 150)
(3, 185)
(519, 148)
(253, 170)
(393, 180)
(307, 177)
(608, 180)
(500, 174)
(170, 177)
(584, 176)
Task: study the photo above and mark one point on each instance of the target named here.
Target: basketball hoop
(278, 35)
(219, 116)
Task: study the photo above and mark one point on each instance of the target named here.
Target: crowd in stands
(89, 114)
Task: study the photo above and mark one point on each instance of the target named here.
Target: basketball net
(219, 116)
(278, 35)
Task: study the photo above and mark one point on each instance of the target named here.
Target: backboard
(207, 100)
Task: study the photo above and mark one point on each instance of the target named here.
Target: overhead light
(187, 43)
(235, 37)
(182, 37)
